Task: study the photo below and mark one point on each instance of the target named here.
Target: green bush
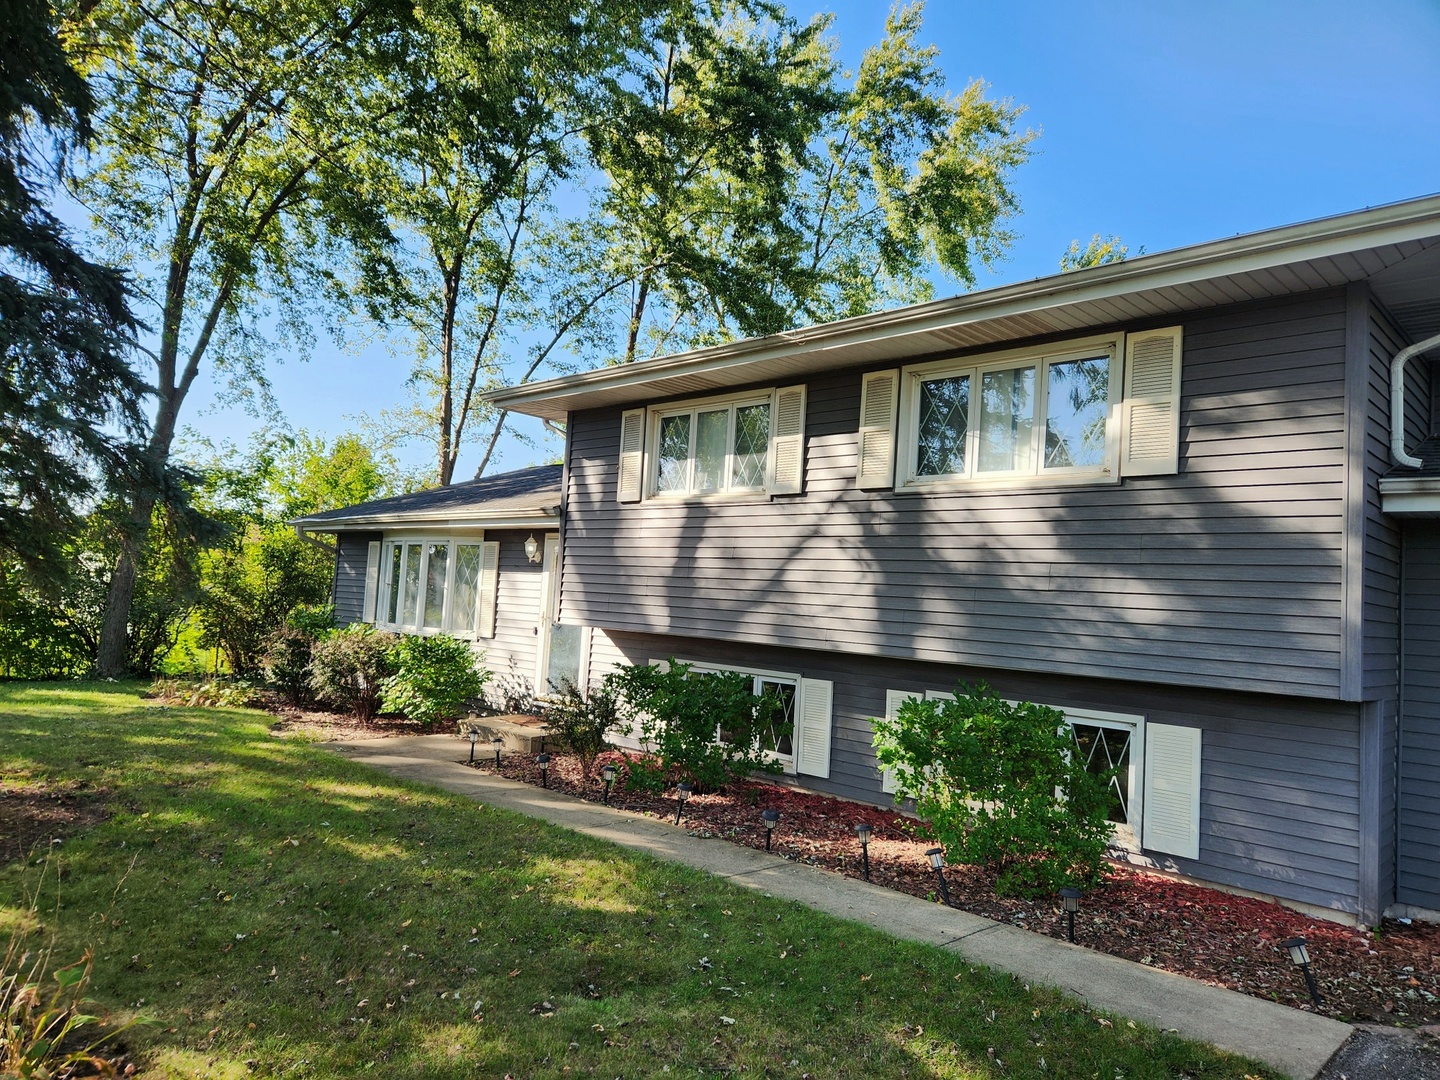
(434, 678)
(347, 667)
(205, 693)
(702, 726)
(286, 660)
(1001, 786)
(581, 721)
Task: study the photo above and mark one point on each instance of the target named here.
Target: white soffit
(1279, 262)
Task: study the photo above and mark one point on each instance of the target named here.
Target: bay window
(433, 586)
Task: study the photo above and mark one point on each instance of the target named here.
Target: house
(1157, 495)
(477, 560)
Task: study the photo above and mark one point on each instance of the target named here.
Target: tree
(715, 177)
(68, 398)
(222, 141)
(1101, 251)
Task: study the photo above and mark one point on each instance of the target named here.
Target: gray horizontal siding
(1228, 575)
(1418, 860)
(1280, 782)
(348, 591)
(510, 654)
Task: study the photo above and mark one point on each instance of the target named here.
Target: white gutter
(1397, 401)
(518, 519)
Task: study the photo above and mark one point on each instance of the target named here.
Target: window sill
(1008, 483)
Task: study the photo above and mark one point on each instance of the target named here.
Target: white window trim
(693, 407)
(382, 592)
(1042, 357)
(787, 761)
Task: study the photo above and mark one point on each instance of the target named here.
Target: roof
(1396, 248)
(523, 498)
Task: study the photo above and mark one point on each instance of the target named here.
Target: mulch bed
(1389, 976)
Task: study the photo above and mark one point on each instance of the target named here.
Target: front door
(561, 645)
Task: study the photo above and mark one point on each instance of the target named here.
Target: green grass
(283, 912)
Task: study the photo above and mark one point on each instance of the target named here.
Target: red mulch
(1391, 976)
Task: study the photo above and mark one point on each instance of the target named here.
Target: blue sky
(1166, 123)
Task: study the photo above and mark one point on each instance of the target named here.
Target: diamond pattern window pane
(944, 422)
(1103, 749)
(1007, 420)
(673, 471)
(778, 734)
(712, 432)
(467, 588)
(1077, 407)
(752, 444)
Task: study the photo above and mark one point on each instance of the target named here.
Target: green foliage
(1101, 251)
(435, 678)
(214, 692)
(704, 727)
(581, 720)
(1001, 786)
(347, 668)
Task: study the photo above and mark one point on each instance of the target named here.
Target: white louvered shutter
(1150, 428)
(812, 727)
(372, 581)
(893, 700)
(1172, 790)
(876, 467)
(632, 456)
(489, 589)
(787, 441)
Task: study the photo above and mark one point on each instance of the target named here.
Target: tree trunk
(110, 662)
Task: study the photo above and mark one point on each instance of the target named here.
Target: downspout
(1397, 401)
(329, 549)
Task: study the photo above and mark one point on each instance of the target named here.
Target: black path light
(682, 792)
(1071, 899)
(1300, 957)
(771, 818)
(499, 744)
(862, 832)
(543, 761)
(937, 862)
(607, 773)
(474, 738)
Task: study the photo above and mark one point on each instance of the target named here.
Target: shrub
(207, 693)
(434, 678)
(703, 726)
(580, 721)
(1001, 786)
(286, 660)
(347, 667)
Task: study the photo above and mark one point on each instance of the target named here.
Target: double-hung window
(1047, 414)
(430, 585)
(710, 448)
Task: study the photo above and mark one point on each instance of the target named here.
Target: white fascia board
(1417, 495)
(1393, 224)
(537, 519)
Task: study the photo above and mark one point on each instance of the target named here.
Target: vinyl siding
(510, 654)
(1228, 575)
(1280, 782)
(1418, 861)
(348, 591)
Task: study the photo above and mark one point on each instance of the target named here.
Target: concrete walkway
(1296, 1043)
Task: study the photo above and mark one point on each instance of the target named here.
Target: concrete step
(521, 734)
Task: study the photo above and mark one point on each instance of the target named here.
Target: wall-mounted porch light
(771, 818)
(937, 863)
(532, 548)
(607, 773)
(1071, 899)
(862, 833)
(682, 792)
(1300, 957)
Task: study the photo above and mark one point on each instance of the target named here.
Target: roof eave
(514, 519)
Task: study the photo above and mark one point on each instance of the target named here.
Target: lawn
(279, 911)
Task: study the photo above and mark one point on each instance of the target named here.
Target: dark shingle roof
(534, 489)
(1428, 452)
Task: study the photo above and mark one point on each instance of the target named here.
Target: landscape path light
(1071, 899)
(862, 832)
(607, 773)
(474, 738)
(937, 862)
(499, 744)
(1300, 957)
(771, 818)
(543, 761)
(682, 792)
